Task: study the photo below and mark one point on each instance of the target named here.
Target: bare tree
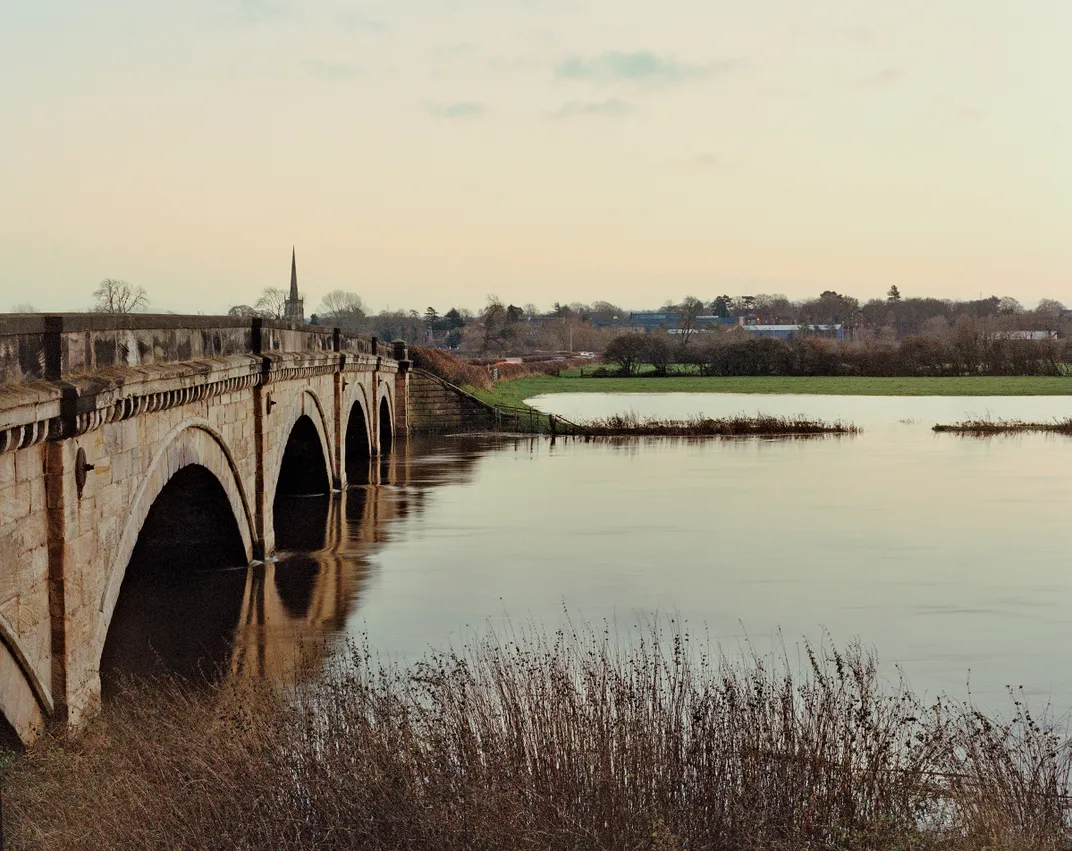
(691, 310)
(23, 307)
(498, 328)
(1009, 306)
(344, 306)
(244, 310)
(114, 296)
(272, 302)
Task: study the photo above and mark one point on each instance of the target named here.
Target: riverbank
(514, 393)
(563, 741)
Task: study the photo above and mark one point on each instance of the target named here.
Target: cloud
(332, 70)
(861, 35)
(700, 162)
(886, 77)
(454, 51)
(611, 108)
(641, 66)
(959, 113)
(460, 110)
(256, 11)
(359, 21)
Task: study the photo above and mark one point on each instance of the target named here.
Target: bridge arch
(308, 413)
(385, 419)
(357, 441)
(191, 443)
(182, 592)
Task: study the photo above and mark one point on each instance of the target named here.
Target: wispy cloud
(454, 51)
(883, 79)
(460, 110)
(861, 35)
(957, 112)
(361, 22)
(700, 162)
(256, 11)
(611, 108)
(330, 70)
(640, 66)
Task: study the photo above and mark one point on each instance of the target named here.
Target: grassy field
(515, 392)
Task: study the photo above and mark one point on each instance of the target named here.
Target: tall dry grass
(739, 425)
(991, 426)
(569, 741)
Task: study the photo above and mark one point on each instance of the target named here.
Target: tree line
(973, 349)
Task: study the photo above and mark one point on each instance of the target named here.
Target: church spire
(294, 305)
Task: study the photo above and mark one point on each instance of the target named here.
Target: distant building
(788, 332)
(294, 305)
(1024, 335)
(649, 320)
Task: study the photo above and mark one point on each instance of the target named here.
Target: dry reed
(740, 425)
(983, 427)
(571, 741)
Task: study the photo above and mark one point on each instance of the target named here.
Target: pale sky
(434, 151)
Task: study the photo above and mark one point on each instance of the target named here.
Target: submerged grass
(740, 425)
(572, 741)
(983, 427)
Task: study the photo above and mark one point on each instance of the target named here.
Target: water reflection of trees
(296, 607)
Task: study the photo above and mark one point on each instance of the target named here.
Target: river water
(951, 556)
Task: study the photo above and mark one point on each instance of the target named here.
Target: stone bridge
(102, 415)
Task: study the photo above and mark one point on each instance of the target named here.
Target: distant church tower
(293, 305)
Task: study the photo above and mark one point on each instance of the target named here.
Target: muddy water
(951, 556)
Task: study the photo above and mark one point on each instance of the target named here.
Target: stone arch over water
(193, 442)
(183, 587)
(303, 468)
(386, 423)
(357, 445)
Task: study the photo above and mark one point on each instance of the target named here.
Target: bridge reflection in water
(284, 618)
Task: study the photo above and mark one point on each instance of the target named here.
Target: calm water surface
(951, 556)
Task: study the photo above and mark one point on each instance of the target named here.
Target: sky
(433, 152)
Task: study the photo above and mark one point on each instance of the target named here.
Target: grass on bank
(571, 741)
(984, 427)
(514, 393)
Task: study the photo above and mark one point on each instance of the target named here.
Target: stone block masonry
(98, 413)
(436, 406)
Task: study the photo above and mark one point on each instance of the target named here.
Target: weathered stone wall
(54, 346)
(436, 406)
(25, 637)
(97, 413)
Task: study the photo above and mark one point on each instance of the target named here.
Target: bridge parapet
(62, 375)
(57, 346)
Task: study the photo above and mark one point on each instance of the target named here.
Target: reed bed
(575, 740)
(987, 426)
(740, 425)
